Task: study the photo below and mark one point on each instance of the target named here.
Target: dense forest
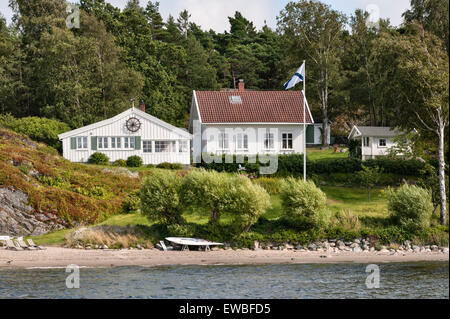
(357, 72)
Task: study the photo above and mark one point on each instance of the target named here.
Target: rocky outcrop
(17, 218)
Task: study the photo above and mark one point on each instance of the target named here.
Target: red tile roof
(256, 107)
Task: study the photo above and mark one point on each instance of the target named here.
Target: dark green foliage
(292, 165)
(173, 166)
(98, 159)
(134, 161)
(39, 129)
(132, 203)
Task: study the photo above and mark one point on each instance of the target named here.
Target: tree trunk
(442, 173)
(214, 216)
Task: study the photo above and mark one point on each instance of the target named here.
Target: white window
(223, 141)
(164, 146)
(82, 143)
(119, 142)
(129, 142)
(242, 142)
(382, 142)
(269, 141)
(147, 146)
(366, 141)
(102, 142)
(183, 146)
(287, 141)
(113, 142)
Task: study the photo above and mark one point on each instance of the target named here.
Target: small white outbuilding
(375, 141)
(133, 132)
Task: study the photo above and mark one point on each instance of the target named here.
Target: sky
(213, 14)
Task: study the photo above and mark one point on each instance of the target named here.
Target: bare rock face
(17, 218)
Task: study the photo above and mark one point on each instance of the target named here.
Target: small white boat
(186, 242)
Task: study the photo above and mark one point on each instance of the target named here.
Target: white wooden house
(314, 134)
(247, 122)
(132, 132)
(375, 141)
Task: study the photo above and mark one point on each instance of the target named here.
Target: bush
(39, 129)
(164, 165)
(120, 163)
(150, 166)
(411, 207)
(98, 159)
(160, 197)
(176, 166)
(209, 191)
(134, 161)
(250, 202)
(292, 165)
(304, 204)
(132, 203)
(271, 185)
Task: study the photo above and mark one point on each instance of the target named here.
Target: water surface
(401, 280)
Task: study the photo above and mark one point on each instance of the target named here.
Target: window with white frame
(129, 142)
(164, 146)
(382, 142)
(183, 146)
(147, 146)
(82, 143)
(224, 143)
(113, 142)
(287, 141)
(366, 141)
(241, 142)
(102, 142)
(269, 141)
(119, 142)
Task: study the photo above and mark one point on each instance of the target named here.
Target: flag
(298, 77)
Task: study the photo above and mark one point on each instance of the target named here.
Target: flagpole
(304, 124)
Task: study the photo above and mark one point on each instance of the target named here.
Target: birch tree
(420, 74)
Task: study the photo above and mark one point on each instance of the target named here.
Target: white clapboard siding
(152, 129)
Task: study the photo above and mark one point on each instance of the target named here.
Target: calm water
(412, 280)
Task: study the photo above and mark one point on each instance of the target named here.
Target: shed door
(310, 134)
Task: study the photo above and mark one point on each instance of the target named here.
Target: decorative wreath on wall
(133, 124)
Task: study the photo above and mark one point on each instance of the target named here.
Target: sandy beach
(61, 257)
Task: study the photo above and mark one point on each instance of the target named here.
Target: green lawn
(318, 154)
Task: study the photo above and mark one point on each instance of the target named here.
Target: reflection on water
(411, 280)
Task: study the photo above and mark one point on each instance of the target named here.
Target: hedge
(292, 165)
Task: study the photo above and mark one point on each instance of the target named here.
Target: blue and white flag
(298, 77)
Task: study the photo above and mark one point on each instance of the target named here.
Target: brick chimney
(241, 85)
(142, 106)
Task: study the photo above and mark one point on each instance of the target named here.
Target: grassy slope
(318, 154)
(70, 193)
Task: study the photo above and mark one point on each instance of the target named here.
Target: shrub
(160, 197)
(120, 163)
(39, 129)
(132, 203)
(176, 166)
(411, 207)
(210, 191)
(250, 201)
(150, 166)
(164, 165)
(346, 220)
(304, 204)
(98, 159)
(134, 161)
(271, 185)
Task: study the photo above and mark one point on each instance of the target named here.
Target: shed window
(382, 142)
(366, 141)
(129, 142)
